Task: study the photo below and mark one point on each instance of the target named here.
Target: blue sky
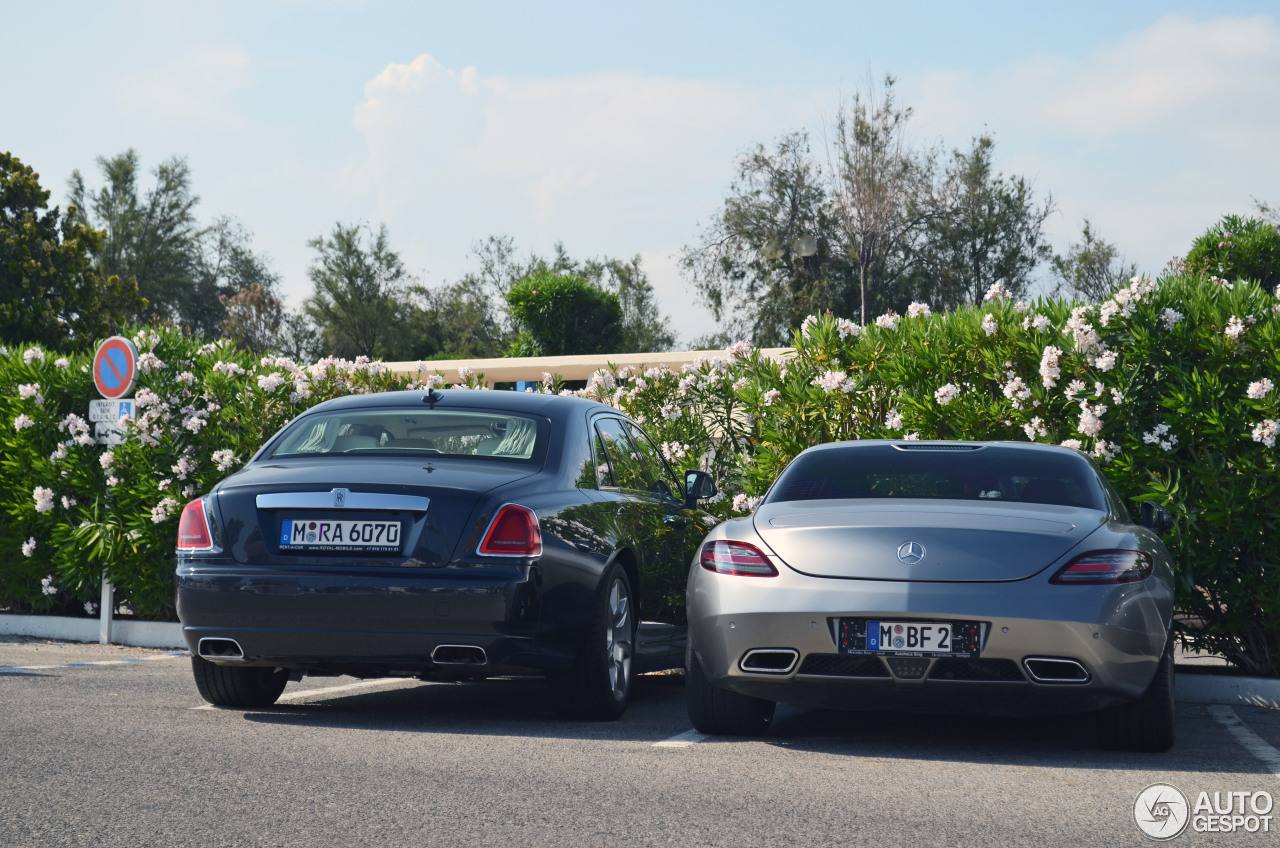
(614, 127)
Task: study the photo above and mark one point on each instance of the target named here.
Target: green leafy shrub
(1171, 386)
(1238, 248)
(561, 314)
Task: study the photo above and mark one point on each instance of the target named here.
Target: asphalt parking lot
(123, 752)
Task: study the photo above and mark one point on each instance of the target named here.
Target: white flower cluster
(22, 422)
(29, 547)
(1266, 432)
(1050, 369)
(888, 321)
(989, 324)
(1035, 428)
(161, 511)
(184, 467)
(997, 292)
(742, 503)
(1090, 423)
(149, 362)
(834, 381)
(674, 451)
(807, 324)
(1016, 390)
(893, 419)
(768, 397)
(1161, 436)
(32, 354)
(846, 328)
(1123, 301)
(1170, 318)
(946, 394)
(739, 351)
(271, 382)
(1260, 389)
(918, 310)
(1235, 329)
(1082, 332)
(1036, 322)
(1105, 451)
(31, 390)
(224, 459)
(47, 587)
(43, 498)
(1074, 444)
(62, 362)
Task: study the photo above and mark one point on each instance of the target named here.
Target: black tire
(1145, 724)
(238, 686)
(598, 685)
(720, 712)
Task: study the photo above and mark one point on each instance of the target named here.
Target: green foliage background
(1164, 384)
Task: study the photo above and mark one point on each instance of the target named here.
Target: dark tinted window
(989, 473)
(624, 461)
(384, 432)
(659, 476)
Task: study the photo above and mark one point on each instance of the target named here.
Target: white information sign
(110, 410)
(108, 432)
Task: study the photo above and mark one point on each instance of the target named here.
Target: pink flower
(1260, 389)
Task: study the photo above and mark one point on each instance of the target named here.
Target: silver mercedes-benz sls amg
(948, 577)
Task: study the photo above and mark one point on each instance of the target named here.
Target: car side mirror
(698, 486)
(1156, 518)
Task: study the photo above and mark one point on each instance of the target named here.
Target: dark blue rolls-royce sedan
(443, 535)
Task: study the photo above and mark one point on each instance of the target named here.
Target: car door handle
(675, 522)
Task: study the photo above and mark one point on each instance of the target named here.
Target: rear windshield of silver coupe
(388, 432)
(990, 473)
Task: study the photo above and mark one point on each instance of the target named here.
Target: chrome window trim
(343, 499)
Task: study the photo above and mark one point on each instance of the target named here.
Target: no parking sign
(115, 368)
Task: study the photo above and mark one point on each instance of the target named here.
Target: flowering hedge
(1169, 384)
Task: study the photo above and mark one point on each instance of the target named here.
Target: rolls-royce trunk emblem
(911, 553)
(340, 499)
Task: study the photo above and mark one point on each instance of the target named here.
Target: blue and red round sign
(115, 368)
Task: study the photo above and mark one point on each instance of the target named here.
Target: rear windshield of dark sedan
(989, 473)
(388, 432)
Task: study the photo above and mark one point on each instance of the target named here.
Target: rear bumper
(371, 622)
(1116, 634)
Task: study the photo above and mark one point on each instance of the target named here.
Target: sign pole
(108, 608)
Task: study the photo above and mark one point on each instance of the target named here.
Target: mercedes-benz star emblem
(911, 553)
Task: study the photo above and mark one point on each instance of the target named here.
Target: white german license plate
(330, 535)
(930, 637)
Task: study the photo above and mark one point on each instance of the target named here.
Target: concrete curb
(1227, 689)
(138, 634)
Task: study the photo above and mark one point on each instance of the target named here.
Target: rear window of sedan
(388, 432)
(960, 472)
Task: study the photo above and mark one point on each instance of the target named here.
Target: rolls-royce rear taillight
(513, 532)
(193, 528)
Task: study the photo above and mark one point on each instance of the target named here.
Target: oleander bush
(1168, 384)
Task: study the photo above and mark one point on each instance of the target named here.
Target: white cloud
(1153, 136)
(610, 163)
(194, 88)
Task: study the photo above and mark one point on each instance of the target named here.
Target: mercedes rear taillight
(737, 558)
(1105, 567)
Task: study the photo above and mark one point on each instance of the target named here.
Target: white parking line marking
(681, 740)
(305, 695)
(16, 668)
(1252, 742)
